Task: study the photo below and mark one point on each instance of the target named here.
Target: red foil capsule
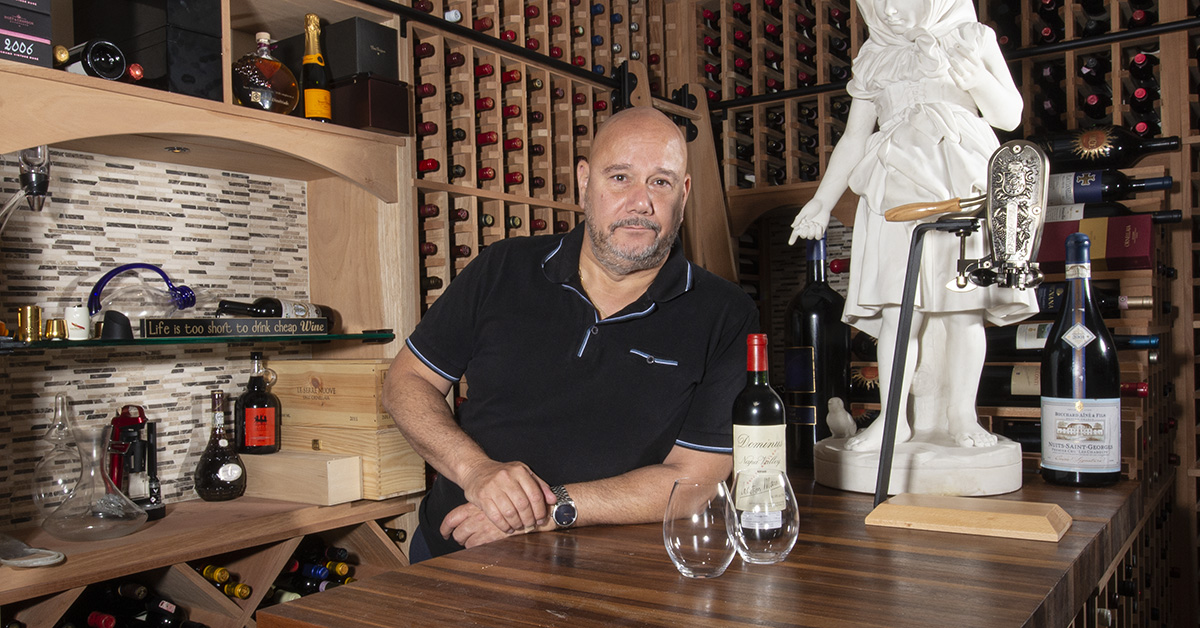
(511, 76)
(423, 51)
(653, 59)
(537, 224)
(486, 103)
(487, 138)
(532, 11)
(514, 178)
(425, 90)
(461, 250)
(484, 69)
(600, 105)
(514, 143)
(459, 215)
(427, 165)
(512, 111)
(428, 248)
(555, 52)
(428, 210)
(455, 59)
(536, 116)
(555, 20)
(482, 24)
(508, 35)
(581, 129)
(532, 44)
(579, 61)
(487, 173)
(537, 183)
(579, 98)
(427, 128)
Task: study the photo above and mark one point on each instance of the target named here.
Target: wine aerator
(34, 179)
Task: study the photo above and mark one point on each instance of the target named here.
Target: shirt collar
(673, 279)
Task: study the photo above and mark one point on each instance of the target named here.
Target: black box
(352, 46)
(373, 103)
(27, 36)
(177, 60)
(37, 6)
(122, 20)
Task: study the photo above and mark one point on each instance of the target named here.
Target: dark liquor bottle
(314, 74)
(220, 474)
(759, 430)
(257, 416)
(1100, 147)
(98, 58)
(1094, 186)
(816, 358)
(261, 81)
(1081, 385)
(1079, 211)
(270, 307)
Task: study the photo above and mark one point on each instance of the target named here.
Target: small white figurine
(928, 84)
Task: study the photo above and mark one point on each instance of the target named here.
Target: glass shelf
(10, 346)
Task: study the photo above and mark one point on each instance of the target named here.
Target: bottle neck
(816, 256)
(312, 38)
(1157, 144)
(234, 307)
(756, 365)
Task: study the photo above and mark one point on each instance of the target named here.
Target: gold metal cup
(56, 329)
(29, 323)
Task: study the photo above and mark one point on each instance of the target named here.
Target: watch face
(564, 514)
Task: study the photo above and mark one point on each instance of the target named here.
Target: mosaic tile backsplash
(226, 235)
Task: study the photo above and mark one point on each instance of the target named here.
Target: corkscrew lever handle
(925, 209)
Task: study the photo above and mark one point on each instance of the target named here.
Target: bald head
(643, 121)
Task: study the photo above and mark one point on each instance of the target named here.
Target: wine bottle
(1094, 70)
(314, 75)
(816, 358)
(220, 474)
(1080, 211)
(1142, 100)
(1081, 401)
(1095, 106)
(237, 590)
(1093, 186)
(98, 58)
(214, 573)
(270, 307)
(1026, 341)
(257, 417)
(261, 81)
(759, 431)
(1019, 386)
(1100, 147)
(1050, 297)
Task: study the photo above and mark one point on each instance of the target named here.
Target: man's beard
(629, 259)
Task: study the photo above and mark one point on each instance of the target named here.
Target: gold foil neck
(312, 23)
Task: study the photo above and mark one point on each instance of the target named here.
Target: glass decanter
(96, 509)
(137, 296)
(56, 474)
(261, 81)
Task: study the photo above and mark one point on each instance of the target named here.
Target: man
(604, 365)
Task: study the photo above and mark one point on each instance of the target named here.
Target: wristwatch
(563, 511)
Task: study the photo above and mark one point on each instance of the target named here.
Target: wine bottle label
(229, 471)
(759, 447)
(760, 501)
(800, 376)
(259, 425)
(296, 309)
(1063, 213)
(1081, 435)
(318, 103)
(1074, 187)
(1032, 335)
(1079, 271)
(1078, 336)
(1026, 380)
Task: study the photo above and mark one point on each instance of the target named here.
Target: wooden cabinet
(251, 537)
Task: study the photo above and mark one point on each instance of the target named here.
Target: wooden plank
(966, 515)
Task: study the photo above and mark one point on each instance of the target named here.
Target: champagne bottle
(1094, 186)
(1081, 404)
(257, 417)
(220, 474)
(1101, 147)
(314, 75)
(816, 358)
(759, 429)
(270, 307)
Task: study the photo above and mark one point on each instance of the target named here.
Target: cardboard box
(1117, 243)
(352, 46)
(308, 477)
(373, 103)
(390, 467)
(345, 393)
(26, 36)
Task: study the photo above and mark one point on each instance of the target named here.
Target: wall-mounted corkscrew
(34, 179)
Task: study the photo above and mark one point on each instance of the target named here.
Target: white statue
(927, 86)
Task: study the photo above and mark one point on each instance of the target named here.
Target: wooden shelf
(252, 536)
(88, 114)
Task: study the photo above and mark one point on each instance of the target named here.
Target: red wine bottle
(759, 428)
(816, 358)
(257, 415)
(1094, 186)
(1050, 296)
(1079, 211)
(1100, 147)
(220, 474)
(1081, 385)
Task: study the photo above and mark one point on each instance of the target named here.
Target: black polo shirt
(574, 397)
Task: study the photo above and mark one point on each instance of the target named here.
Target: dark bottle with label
(759, 424)
(1079, 211)
(220, 474)
(1081, 385)
(99, 58)
(314, 74)
(1101, 147)
(270, 307)
(1094, 186)
(1026, 341)
(816, 358)
(257, 416)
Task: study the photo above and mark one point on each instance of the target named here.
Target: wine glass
(696, 527)
(766, 517)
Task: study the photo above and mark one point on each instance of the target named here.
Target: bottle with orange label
(258, 415)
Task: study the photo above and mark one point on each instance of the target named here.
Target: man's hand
(470, 527)
(508, 494)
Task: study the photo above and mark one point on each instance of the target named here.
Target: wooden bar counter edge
(842, 572)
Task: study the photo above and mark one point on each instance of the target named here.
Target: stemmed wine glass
(696, 527)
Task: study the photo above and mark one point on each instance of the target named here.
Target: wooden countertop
(841, 572)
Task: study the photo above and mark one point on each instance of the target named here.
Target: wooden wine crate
(390, 467)
(328, 479)
(344, 393)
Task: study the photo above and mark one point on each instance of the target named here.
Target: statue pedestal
(929, 463)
